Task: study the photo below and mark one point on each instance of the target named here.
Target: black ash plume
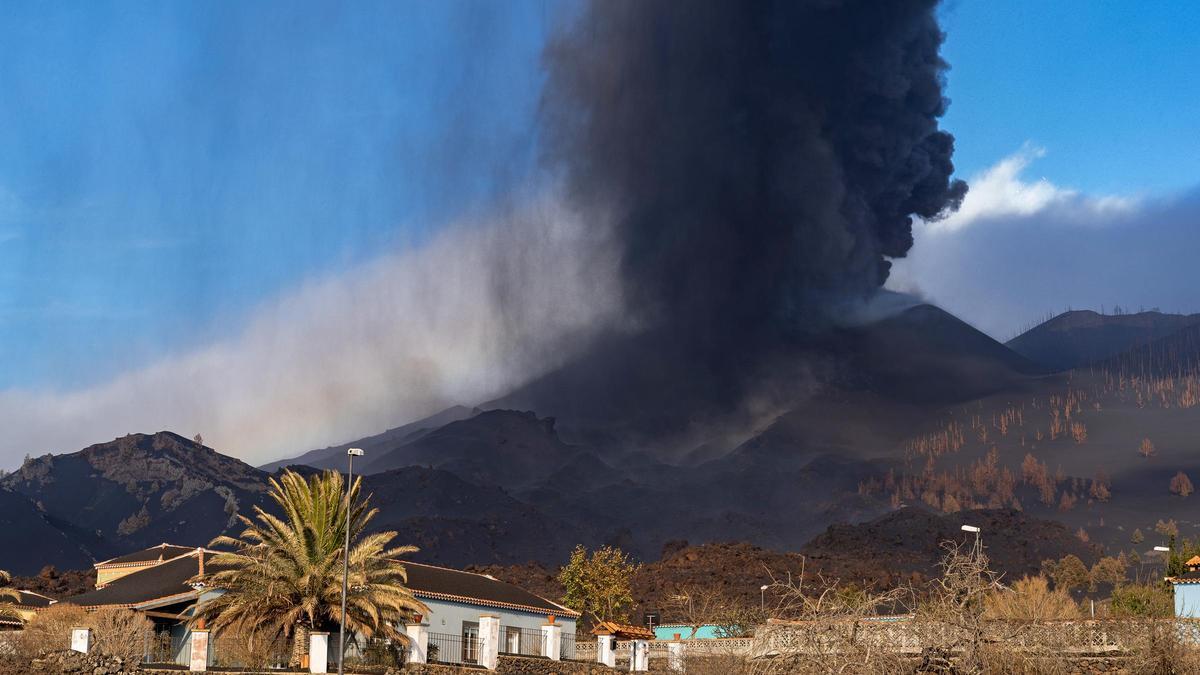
(759, 160)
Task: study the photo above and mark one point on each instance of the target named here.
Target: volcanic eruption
(759, 162)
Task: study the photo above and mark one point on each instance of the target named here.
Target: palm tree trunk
(299, 645)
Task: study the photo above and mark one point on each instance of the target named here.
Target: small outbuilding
(1187, 590)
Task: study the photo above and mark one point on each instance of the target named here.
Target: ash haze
(1023, 248)
(478, 309)
(289, 224)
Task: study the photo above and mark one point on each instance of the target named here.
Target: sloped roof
(159, 553)
(169, 581)
(623, 631)
(441, 583)
(1186, 578)
(31, 600)
(165, 581)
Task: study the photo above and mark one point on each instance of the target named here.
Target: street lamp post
(978, 548)
(762, 598)
(1165, 550)
(351, 453)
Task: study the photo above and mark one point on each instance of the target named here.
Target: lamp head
(354, 452)
(970, 528)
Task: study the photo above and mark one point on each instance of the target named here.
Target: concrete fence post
(198, 663)
(318, 652)
(418, 643)
(489, 641)
(639, 657)
(552, 637)
(675, 656)
(81, 640)
(606, 650)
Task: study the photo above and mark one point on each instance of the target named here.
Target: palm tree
(283, 576)
(7, 593)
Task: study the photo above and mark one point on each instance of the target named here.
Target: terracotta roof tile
(623, 631)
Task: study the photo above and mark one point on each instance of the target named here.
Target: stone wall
(75, 662)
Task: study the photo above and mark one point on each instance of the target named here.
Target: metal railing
(566, 647)
(240, 651)
(159, 647)
(519, 641)
(377, 652)
(449, 648)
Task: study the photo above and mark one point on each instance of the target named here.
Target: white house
(156, 582)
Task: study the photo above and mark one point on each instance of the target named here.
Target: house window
(470, 641)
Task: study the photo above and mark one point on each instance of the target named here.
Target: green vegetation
(284, 576)
(1142, 601)
(597, 586)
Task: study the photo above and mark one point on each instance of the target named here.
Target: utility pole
(351, 454)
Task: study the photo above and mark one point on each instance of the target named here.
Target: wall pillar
(318, 652)
(639, 657)
(675, 656)
(489, 641)
(418, 643)
(81, 640)
(198, 662)
(552, 637)
(606, 650)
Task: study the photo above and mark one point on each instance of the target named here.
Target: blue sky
(1110, 89)
(166, 166)
(175, 177)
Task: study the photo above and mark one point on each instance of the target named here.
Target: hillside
(916, 410)
(503, 447)
(901, 548)
(138, 491)
(30, 540)
(909, 541)
(334, 457)
(1080, 337)
(141, 490)
(457, 523)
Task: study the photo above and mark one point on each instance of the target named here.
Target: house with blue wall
(1187, 590)
(708, 631)
(157, 582)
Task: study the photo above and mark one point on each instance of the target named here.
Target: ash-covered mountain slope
(916, 409)
(1080, 337)
(334, 457)
(30, 540)
(140, 490)
(503, 447)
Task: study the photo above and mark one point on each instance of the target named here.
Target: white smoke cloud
(481, 307)
(1020, 250)
(1001, 192)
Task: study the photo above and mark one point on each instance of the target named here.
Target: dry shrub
(50, 630)
(245, 649)
(115, 632)
(1158, 647)
(826, 628)
(119, 632)
(1001, 659)
(1031, 600)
